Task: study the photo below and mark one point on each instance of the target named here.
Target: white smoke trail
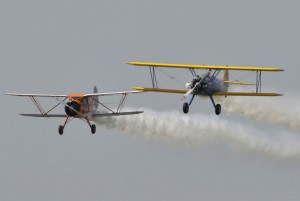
(196, 129)
(278, 111)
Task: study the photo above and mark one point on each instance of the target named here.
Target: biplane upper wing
(36, 95)
(203, 66)
(111, 93)
(145, 89)
(85, 95)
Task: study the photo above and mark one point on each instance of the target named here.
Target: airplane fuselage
(79, 104)
(208, 85)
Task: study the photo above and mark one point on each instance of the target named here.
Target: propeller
(190, 91)
(79, 114)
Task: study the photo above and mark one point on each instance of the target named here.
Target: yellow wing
(176, 91)
(166, 65)
(238, 83)
(245, 94)
(215, 94)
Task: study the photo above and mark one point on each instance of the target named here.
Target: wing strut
(38, 105)
(153, 77)
(193, 72)
(122, 103)
(103, 105)
(40, 108)
(258, 81)
(215, 74)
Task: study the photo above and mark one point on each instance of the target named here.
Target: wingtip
(138, 88)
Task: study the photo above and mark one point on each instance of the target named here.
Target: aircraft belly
(212, 87)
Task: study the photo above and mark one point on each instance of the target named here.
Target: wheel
(218, 109)
(93, 128)
(60, 129)
(186, 107)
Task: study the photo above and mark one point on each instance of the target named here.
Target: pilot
(195, 80)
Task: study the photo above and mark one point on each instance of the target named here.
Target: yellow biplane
(208, 85)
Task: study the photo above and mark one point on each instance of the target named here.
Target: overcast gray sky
(70, 46)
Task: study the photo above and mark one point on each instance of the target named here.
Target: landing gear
(186, 107)
(93, 129)
(216, 106)
(218, 109)
(60, 129)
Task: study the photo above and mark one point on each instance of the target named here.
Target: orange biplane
(82, 106)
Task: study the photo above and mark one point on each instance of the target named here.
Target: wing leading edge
(36, 95)
(203, 66)
(86, 95)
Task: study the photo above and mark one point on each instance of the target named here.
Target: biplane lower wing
(245, 94)
(92, 115)
(145, 89)
(44, 115)
(214, 94)
(116, 114)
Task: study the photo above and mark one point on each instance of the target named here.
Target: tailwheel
(218, 109)
(186, 107)
(93, 129)
(60, 129)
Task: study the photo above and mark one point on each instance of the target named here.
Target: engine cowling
(72, 108)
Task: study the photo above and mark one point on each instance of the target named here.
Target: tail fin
(226, 78)
(96, 97)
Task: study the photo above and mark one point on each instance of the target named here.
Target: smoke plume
(173, 126)
(278, 111)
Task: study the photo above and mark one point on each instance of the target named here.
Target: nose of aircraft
(188, 85)
(72, 108)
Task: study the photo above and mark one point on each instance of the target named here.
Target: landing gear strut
(61, 127)
(186, 105)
